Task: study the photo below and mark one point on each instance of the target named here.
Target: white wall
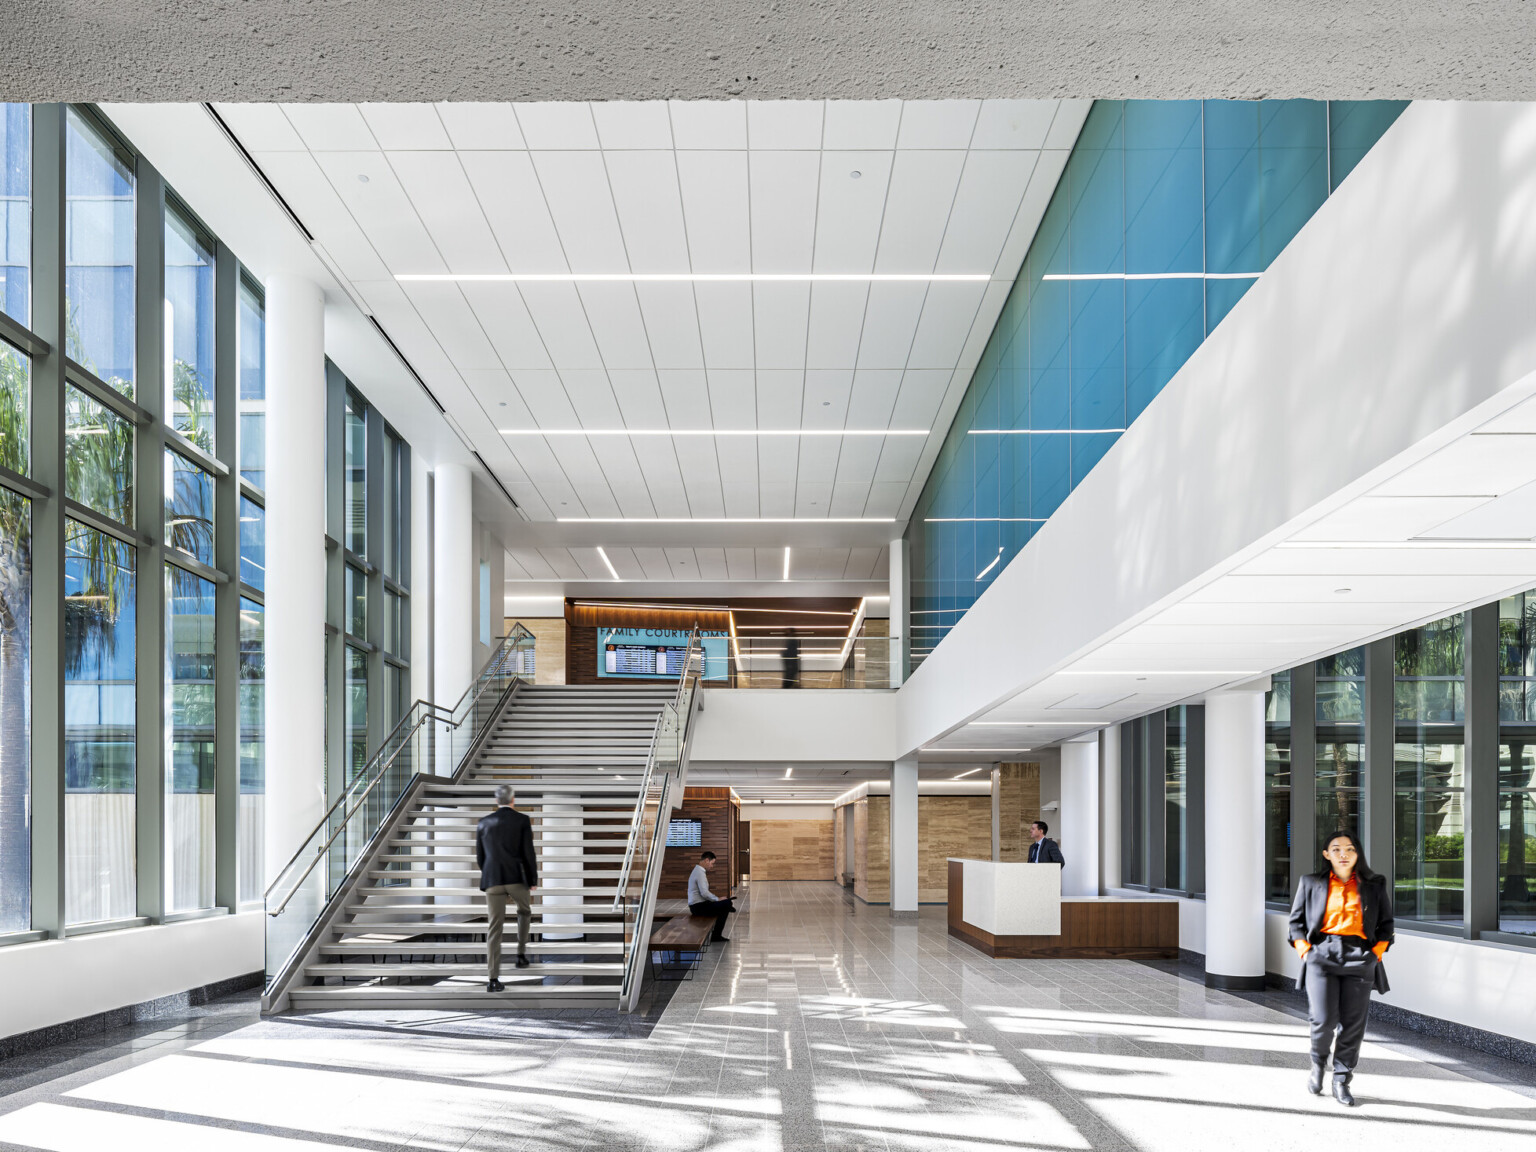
(806, 725)
(54, 981)
(1481, 985)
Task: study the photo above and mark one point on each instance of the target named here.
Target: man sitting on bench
(702, 902)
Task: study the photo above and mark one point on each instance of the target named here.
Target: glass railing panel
(427, 739)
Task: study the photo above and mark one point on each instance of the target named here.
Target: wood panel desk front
(1092, 928)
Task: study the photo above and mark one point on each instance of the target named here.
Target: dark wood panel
(583, 614)
(716, 809)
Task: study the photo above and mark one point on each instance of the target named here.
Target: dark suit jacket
(504, 849)
(1311, 905)
(1046, 852)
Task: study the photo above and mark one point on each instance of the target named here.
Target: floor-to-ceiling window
(1277, 788)
(368, 607)
(1167, 213)
(1340, 770)
(1517, 765)
(113, 472)
(1429, 825)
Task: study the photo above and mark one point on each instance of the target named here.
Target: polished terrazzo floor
(824, 1024)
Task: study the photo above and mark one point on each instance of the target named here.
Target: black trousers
(719, 909)
(1338, 979)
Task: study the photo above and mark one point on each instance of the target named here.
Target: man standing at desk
(1044, 850)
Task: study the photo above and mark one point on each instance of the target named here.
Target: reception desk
(1016, 911)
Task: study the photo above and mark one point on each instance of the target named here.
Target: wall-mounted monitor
(685, 834)
(655, 653)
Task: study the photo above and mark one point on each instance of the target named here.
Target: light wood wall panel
(840, 844)
(949, 826)
(1018, 805)
(548, 647)
(792, 850)
(872, 849)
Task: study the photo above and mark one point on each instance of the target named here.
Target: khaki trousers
(496, 901)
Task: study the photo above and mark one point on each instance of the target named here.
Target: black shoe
(495, 986)
(522, 961)
(1341, 1091)
(721, 939)
(1315, 1080)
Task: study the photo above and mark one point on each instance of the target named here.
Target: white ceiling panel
(740, 564)
(781, 313)
(851, 209)
(557, 126)
(859, 124)
(508, 325)
(716, 210)
(650, 209)
(784, 123)
(613, 313)
(653, 561)
(1477, 465)
(938, 123)
(1013, 124)
(1389, 517)
(700, 187)
(672, 324)
(711, 563)
(708, 124)
(509, 192)
(446, 203)
(725, 323)
(262, 127)
(331, 127)
(399, 127)
(626, 124)
(481, 126)
(382, 210)
(576, 189)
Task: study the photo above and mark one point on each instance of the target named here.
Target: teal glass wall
(1166, 214)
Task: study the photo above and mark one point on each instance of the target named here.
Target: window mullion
(226, 534)
(1480, 801)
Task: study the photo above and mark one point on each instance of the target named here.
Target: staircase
(410, 931)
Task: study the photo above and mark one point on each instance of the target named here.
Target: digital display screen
(685, 834)
(656, 653)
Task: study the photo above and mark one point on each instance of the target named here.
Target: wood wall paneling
(549, 660)
(840, 845)
(713, 807)
(1018, 806)
(948, 826)
(791, 850)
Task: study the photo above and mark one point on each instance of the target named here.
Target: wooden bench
(686, 937)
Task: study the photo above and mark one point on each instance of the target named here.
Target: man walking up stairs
(508, 869)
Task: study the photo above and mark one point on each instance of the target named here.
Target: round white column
(904, 846)
(1079, 816)
(295, 577)
(1234, 838)
(559, 865)
(1109, 807)
(453, 594)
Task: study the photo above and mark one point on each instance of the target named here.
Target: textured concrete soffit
(407, 50)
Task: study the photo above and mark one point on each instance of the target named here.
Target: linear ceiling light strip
(695, 277)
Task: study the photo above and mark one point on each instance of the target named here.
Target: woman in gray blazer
(1341, 924)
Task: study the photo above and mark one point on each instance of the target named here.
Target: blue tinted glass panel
(1098, 354)
(1164, 324)
(1096, 185)
(253, 544)
(189, 714)
(98, 255)
(1353, 127)
(1164, 216)
(16, 211)
(15, 409)
(15, 690)
(253, 388)
(1087, 450)
(1050, 472)
(188, 508)
(1233, 210)
(1050, 357)
(1293, 170)
(1220, 296)
(189, 331)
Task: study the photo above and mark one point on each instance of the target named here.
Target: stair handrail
(378, 766)
(650, 768)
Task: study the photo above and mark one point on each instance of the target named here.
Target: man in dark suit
(1044, 850)
(508, 868)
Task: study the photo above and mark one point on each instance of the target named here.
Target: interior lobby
(956, 535)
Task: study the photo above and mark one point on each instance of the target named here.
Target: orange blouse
(1343, 916)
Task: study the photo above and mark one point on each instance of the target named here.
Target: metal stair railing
(661, 791)
(429, 740)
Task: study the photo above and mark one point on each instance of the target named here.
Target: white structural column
(1079, 834)
(897, 625)
(560, 865)
(295, 577)
(904, 836)
(454, 579)
(1109, 807)
(1234, 838)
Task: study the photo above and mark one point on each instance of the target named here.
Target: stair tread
(410, 930)
(533, 971)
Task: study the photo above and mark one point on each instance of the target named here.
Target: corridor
(824, 1024)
